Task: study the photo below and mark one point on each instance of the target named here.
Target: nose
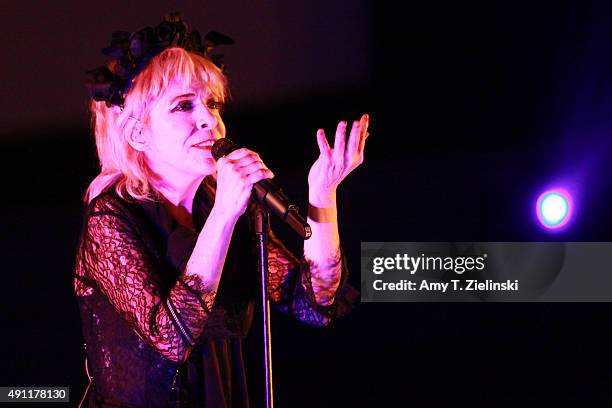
(205, 119)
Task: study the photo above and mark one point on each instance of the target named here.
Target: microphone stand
(290, 214)
(262, 225)
(269, 196)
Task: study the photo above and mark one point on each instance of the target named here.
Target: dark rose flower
(102, 84)
(119, 43)
(141, 42)
(165, 33)
(124, 68)
(194, 41)
(131, 52)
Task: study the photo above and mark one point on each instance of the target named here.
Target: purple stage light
(554, 208)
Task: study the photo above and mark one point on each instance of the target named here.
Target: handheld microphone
(268, 195)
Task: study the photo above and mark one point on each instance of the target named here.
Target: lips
(206, 144)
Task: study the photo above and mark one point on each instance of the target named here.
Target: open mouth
(206, 144)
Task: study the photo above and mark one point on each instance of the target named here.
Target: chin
(206, 169)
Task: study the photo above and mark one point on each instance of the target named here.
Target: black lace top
(154, 336)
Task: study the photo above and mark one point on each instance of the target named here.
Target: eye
(183, 106)
(213, 104)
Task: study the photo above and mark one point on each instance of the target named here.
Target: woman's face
(183, 125)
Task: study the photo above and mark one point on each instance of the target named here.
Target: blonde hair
(113, 126)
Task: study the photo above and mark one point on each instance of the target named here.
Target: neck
(178, 195)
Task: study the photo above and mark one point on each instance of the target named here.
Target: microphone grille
(222, 147)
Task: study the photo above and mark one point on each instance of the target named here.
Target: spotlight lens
(554, 208)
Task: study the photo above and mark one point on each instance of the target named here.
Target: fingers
(241, 154)
(339, 143)
(246, 165)
(365, 122)
(252, 167)
(259, 175)
(241, 158)
(236, 174)
(324, 148)
(354, 140)
(347, 152)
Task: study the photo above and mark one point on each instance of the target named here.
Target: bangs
(112, 127)
(176, 65)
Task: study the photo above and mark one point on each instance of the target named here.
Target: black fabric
(154, 336)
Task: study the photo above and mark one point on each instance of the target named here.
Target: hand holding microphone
(236, 173)
(242, 174)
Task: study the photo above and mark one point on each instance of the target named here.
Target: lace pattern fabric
(167, 317)
(290, 287)
(135, 264)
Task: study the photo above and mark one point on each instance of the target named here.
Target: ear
(138, 139)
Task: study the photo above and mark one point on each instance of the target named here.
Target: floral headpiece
(131, 52)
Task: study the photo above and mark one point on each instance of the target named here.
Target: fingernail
(366, 117)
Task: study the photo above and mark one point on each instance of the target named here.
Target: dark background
(474, 109)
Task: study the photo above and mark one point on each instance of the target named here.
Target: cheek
(169, 138)
(221, 128)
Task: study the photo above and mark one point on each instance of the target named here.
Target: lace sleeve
(290, 287)
(168, 314)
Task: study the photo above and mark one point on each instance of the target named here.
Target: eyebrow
(181, 96)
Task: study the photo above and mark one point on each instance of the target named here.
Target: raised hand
(334, 164)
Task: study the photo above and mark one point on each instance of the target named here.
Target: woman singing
(166, 273)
